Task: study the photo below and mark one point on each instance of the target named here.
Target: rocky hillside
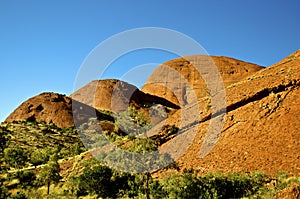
(168, 79)
(255, 154)
(115, 95)
(261, 129)
(261, 126)
(53, 108)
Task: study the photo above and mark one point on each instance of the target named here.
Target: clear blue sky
(43, 43)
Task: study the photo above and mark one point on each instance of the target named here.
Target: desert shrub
(282, 181)
(181, 186)
(189, 185)
(73, 150)
(39, 156)
(18, 195)
(15, 157)
(99, 140)
(135, 162)
(96, 181)
(156, 190)
(232, 185)
(125, 184)
(138, 116)
(26, 178)
(140, 145)
(3, 191)
(133, 121)
(3, 139)
(106, 115)
(73, 185)
(242, 185)
(105, 183)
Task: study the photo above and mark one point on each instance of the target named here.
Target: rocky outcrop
(175, 80)
(115, 95)
(53, 108)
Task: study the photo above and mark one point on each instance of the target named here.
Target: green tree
(15, 157)
(183, 186)
(75, 149)
(39, 157)
(50, 173)
(18, 195)
(97, 181)
(140, 145)
(3, 138)
(135, 121)
(156, 189)
(26, 178)
(3, 191)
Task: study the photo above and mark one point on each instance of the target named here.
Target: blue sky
(44, 43)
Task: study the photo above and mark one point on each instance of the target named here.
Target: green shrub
(26, 178)
(181, 186)
(15, 157)
(19, 195)
(3, 138)
(133, 121)
(3, 191)
(39, 156)
(73, 150)
(96, 181)
(282, 180)
(142, 145)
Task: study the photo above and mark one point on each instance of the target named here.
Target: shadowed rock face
(53, 108)
(116, 96)
(170, 79)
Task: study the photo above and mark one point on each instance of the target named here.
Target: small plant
(208, 104)
(282, 182)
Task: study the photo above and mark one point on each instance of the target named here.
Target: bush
(231, 185)
(19, 195)
(96, 181)
(15, 157)
(3, 191)
(3, 138)
(39, 157)
(140, 145)
(181, 186)
(26, 178)
(133, 121)
(75, 149)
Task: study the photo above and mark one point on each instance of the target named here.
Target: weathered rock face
(176, 79)
(261, 127)
(115, 95)
(53, 108)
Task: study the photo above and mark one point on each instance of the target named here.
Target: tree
(3, 138)
(181, 186)
(15, 157)
(18, 195)
(39, 157)
(3, 191)
(50, 173)
(26, 178)
(97, 181)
